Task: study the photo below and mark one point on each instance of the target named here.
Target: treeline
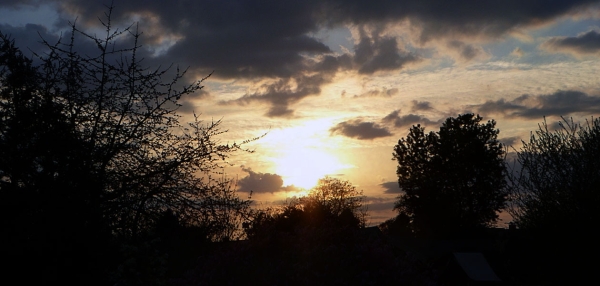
(455, 182)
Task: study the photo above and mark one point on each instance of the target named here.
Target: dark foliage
(315, 239)
(558, 184)
(92, 150)
(453, 180)
(397, 226)
(555, 194)
(333, 203)
(309, 258)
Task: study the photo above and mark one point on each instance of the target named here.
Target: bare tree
(129, 154)
(556, 184)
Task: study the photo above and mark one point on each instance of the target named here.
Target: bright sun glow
(304, 154)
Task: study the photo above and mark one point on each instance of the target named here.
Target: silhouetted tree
(91, 147)
(557, 186)
(320, 238)
(453, 180)
(555, 194)
(338, 197)
(333, 204)
(398, 225)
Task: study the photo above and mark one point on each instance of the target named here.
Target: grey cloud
(373, 54)
(500, 106)
(587, 43)
(29, 37)
(384, 92)
(489, 18)
(237, 39)
(391, 188)
(260, 182)
(405, 120)
(559, 103)
(188, 102)
(360, 130)
(375, 204)
(466, 51)
(252, 39)
(421, 105)
(282, 93)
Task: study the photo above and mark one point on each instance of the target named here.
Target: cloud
(438, 19)
(466, 52)
(517, 52)
(421, 105)
(509, 141)
(28, 37)
(360, 130)
(561, 103)
(282, 93)
(406, 120)
(251, 41)
(375, 204)
(391, 188)
(374, 53)
(384, 92)
(260, 182)
(583, 44)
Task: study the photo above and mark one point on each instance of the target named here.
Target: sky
(333, 85)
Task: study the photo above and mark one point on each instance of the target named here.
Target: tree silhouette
(332, 205)
(338, 197)
(453, 180)
(556, 187)
(92, 148)
(554, 196)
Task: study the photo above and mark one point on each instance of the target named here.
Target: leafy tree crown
(452, 179)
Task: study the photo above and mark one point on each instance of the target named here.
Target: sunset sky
(335, 84)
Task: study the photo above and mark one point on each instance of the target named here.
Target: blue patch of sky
(335, 38)
(566, 28)
(532, 54)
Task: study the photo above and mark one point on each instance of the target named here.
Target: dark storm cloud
(236, 39)
(391, 188)
(28, 38)
(360, 130)
(378, 93)
(588, 43)
(560, 103)
(260, 182)
(253, 40)
(374, 53)
(488, 18)
(405, 120)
